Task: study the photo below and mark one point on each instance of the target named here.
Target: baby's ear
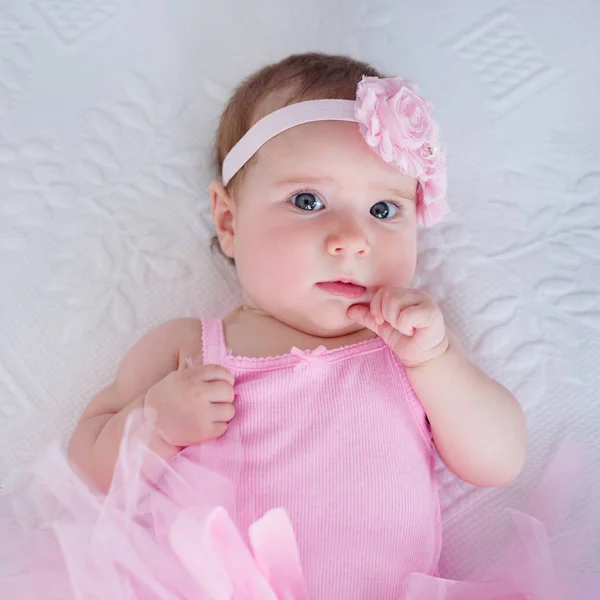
(223, 212)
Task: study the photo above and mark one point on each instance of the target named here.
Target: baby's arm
(94, 445)
(477, 424)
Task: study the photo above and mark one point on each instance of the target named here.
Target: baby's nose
(349, 241)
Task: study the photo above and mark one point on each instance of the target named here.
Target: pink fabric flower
(397, 123)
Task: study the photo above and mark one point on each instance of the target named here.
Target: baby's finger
(217, 430)
(361, 314)
(377, 305)
(222, 412)
(414, 317)
(214, 373)
(394, 302)
(390, 335)
(219, 392)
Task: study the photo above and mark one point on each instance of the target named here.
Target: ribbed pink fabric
(339, 439)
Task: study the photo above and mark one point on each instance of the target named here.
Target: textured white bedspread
(107, 111)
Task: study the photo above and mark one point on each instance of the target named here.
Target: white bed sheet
(107, 111)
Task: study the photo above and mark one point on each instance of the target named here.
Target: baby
(337, 379)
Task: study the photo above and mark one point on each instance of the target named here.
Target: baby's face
(320, 206)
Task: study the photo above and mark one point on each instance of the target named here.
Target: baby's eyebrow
(405, 192)
(299, 180)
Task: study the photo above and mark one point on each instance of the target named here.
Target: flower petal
(397, 123)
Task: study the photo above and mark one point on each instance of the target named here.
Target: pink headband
(394, 120)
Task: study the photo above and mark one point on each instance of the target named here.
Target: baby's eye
(384, 210)
(307, 201)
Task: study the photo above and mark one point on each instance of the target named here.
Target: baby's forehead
(333, 152)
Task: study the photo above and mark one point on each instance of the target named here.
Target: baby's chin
(330, 322)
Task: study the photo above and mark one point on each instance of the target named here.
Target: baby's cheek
(269, 263)
(400, 264)
(409, 267)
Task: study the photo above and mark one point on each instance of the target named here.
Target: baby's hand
(192, 405)
(409, 321)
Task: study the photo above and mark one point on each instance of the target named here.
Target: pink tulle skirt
(161, 534)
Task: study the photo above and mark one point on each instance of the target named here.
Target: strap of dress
(213, 342)
(414, 404)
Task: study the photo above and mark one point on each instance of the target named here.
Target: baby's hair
(297, 78)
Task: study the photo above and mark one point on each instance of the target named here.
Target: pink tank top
(339, 439)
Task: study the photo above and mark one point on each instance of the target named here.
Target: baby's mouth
(347, 289)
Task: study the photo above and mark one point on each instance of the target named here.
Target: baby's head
(315, 204)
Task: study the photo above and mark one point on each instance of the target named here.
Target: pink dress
(329, 435)
(322, 488)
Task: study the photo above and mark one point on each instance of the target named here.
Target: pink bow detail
(308, 357)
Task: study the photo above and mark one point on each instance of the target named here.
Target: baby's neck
(258, 335)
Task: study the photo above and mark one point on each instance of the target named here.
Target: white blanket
(107, 112)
